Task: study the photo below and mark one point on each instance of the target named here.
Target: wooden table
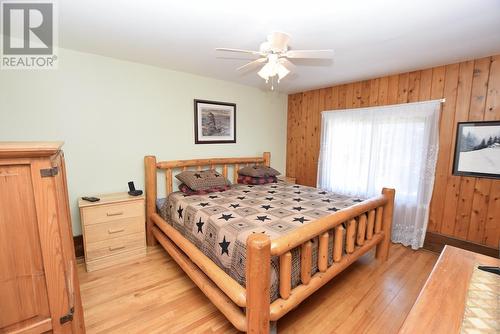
(440, 306)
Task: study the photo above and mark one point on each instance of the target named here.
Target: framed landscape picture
(477, 149)
(214, 122)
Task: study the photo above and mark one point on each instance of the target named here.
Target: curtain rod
(389, 105)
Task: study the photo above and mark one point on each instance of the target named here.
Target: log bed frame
(368, 225)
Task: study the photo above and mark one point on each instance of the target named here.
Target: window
(364, 150)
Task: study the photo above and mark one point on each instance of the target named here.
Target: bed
(252, 250)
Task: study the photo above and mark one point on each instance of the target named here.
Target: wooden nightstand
(113, 229)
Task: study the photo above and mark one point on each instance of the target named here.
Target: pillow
(202, 180)
(243, 179)
(258, 171)
(188, 191)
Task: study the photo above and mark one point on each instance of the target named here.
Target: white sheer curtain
(364, 150)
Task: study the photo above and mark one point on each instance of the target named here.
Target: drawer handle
(118, 230)
(109, 214)
(111, 248)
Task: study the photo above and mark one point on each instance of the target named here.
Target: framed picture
(477, 149)
(214, 122)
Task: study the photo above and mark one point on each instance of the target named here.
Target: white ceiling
(370, 38)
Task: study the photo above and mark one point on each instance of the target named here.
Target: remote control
(91, 199)
(490, 269)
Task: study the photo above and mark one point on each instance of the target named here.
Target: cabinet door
(65, 230)
(54, 262)
(23, 291)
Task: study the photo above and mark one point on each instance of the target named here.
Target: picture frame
(214, 122)
(477, 149)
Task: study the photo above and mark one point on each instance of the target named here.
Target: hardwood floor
(153, 295)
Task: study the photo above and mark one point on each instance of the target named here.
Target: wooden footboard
(367, 225)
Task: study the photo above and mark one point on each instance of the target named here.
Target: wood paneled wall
(467, 208)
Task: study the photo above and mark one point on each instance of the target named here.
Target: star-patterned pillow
(202, 180)
(188, 191)
(258, 171)
(243, 179)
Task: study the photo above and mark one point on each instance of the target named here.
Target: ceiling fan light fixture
(282, 71)
(273, 68)
(266, 71)
(274, 55)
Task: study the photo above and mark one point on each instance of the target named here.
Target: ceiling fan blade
(252, 64)
(317, 54)
(288, 64)
(257, 53)
(278, 40)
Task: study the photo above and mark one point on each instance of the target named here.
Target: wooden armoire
(39, 289)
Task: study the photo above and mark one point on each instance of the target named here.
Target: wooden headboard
(152, 167)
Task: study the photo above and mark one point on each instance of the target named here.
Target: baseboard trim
(78, 244)
(435, 242)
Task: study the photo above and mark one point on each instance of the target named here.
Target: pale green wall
(110, 113)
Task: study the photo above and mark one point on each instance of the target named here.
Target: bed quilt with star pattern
(219, 223)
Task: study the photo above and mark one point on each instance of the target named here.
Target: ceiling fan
(274, 55)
